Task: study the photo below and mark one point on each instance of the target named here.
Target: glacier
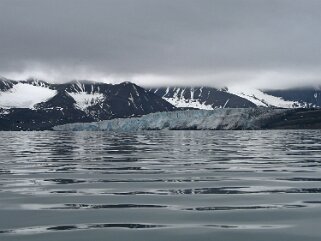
(24, 95)
(218, 119)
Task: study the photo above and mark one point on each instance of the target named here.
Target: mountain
(37, 105)
(264, 98)
(6, 84)
(201, 98)
(307, 97)
(238, 97)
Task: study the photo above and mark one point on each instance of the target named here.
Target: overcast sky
(266, 44)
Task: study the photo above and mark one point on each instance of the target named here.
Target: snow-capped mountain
(262, 98)
(36, 104)
(307, 97)
(238, 97)
(205, 98)
(6, 84)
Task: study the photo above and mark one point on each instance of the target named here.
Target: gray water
(170, 185)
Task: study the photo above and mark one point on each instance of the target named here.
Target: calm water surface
(174, 185)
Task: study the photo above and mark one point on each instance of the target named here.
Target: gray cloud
(264, 43)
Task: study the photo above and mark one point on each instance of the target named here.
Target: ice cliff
(218, 119)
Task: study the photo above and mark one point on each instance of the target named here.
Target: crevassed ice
(247, 118)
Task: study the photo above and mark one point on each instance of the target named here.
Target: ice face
(224, 119)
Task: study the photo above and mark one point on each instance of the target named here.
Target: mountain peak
(127, 83)
(84, 81)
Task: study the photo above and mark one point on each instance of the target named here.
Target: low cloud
(260, 43)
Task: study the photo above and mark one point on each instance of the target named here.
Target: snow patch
(260, 98)
(188, 103)
(85, 100)
(226, 103)
(25, 96)
(4, 112)
(179, 101)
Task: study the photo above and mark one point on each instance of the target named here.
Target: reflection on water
(33, 230)
(175, 185)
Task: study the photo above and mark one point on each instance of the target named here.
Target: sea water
(161, 185)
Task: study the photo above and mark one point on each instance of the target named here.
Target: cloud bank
(260, 43)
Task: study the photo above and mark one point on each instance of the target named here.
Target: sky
(255, 43)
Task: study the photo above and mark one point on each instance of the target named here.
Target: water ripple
(81, 227)
(74, 227)
(156, 184)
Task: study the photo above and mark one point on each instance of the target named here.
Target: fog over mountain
(258, 43)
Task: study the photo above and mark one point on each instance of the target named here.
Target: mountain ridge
(35, 104)
(209, 98)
